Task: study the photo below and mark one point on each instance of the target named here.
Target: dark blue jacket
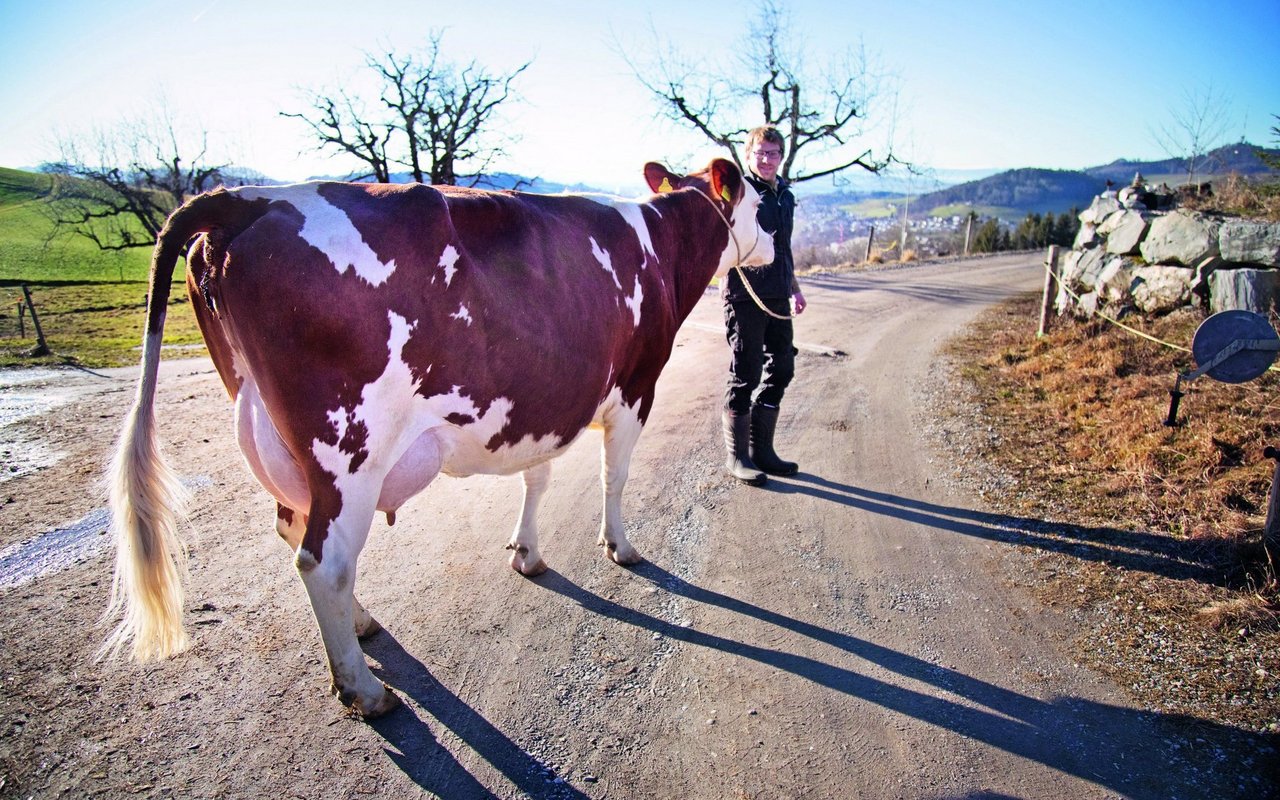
(777, 214)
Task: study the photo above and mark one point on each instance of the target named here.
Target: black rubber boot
(764, 420)
(736, 434)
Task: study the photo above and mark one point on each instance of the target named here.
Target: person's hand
(798, 302)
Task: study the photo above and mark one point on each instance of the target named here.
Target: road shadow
(1096, 742)
(1132, 550)
(413, 748)
(930, 290)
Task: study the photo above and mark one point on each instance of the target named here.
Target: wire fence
(1055, 279)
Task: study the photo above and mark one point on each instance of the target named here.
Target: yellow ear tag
(665, 187)
(724, 192)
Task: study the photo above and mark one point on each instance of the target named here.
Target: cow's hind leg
(525, 557)
(291, 525)
(622, 429)
(326, 561)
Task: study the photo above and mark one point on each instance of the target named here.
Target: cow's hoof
(520, 563)
(627, 557)
(388, 702)
(366, 710)
(365, 629)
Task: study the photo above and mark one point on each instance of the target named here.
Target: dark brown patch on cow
(284, 514)
(458, 418)
(354, 440)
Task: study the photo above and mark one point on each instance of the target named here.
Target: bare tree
(436, 118)
(824, 116)
(116, 186)
(1196, 124)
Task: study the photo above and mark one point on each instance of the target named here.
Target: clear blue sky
(984, 84)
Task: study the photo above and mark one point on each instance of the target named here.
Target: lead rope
(738, 266)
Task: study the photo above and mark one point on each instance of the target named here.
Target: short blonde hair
(766, 133)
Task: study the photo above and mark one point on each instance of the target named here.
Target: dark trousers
(762, 354)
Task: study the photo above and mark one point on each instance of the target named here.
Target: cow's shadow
(413, 748)
(1093, 741)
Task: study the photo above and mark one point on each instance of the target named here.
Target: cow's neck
(690, 252)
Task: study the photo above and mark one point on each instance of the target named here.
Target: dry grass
(1239, 197)
(1187, 616)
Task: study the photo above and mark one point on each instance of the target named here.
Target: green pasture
(90, 302)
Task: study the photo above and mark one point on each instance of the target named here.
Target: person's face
(764, 159)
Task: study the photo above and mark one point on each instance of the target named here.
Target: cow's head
(735, 201)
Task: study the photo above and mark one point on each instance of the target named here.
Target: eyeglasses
(768, 155)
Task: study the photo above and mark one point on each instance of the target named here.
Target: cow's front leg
(622, 429)
(326, 561)
(291, 525)
(525, 557)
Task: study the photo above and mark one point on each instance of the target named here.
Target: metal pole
(1271, 533)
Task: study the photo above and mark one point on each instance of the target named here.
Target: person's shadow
(1132, 550)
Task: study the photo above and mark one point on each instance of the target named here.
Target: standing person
(763, 357)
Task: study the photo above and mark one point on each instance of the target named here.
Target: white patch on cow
(383, 408)
(632, 213)
(462, 313)
(633, 302)
(328, 229)
(602, 256)
(448, 262)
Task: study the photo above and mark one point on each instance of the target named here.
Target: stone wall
(1139, 250)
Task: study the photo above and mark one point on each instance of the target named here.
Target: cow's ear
(660, 179)
(726, 180)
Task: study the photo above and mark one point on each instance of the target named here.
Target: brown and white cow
(374, 336)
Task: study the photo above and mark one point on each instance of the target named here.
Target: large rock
(1086, 237)
(1102, 206)
(1124, 231)
(1114, 279)
(1180, 238)
(1256, 290)
(1247, 241)
(1159, 289)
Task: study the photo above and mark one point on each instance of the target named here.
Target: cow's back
(527, 307)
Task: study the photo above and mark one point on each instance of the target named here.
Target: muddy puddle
(26, 394)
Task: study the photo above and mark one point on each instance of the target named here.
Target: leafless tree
(825, 116)
(435, 118)
(1196, 124)
(116, 186)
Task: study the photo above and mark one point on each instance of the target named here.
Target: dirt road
(849, 632)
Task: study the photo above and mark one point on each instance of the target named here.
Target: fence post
(871, 237)
(1050, 288)
(968, 234)
(22, 319)
(41, 348)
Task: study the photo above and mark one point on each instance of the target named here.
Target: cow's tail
(146, 496)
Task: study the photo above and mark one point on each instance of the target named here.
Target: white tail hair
(146, 502)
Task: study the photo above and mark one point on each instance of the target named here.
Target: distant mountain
(895, 180)
(1241, 159)
(1017, 192)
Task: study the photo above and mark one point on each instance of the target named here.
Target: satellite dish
(1231, 346)
(1219, 356)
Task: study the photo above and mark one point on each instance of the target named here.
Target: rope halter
(737, 265)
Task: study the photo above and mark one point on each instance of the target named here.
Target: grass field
(91, 302)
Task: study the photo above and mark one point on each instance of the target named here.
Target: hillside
(1241, 159)
(28, 254)
(1017, 192)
